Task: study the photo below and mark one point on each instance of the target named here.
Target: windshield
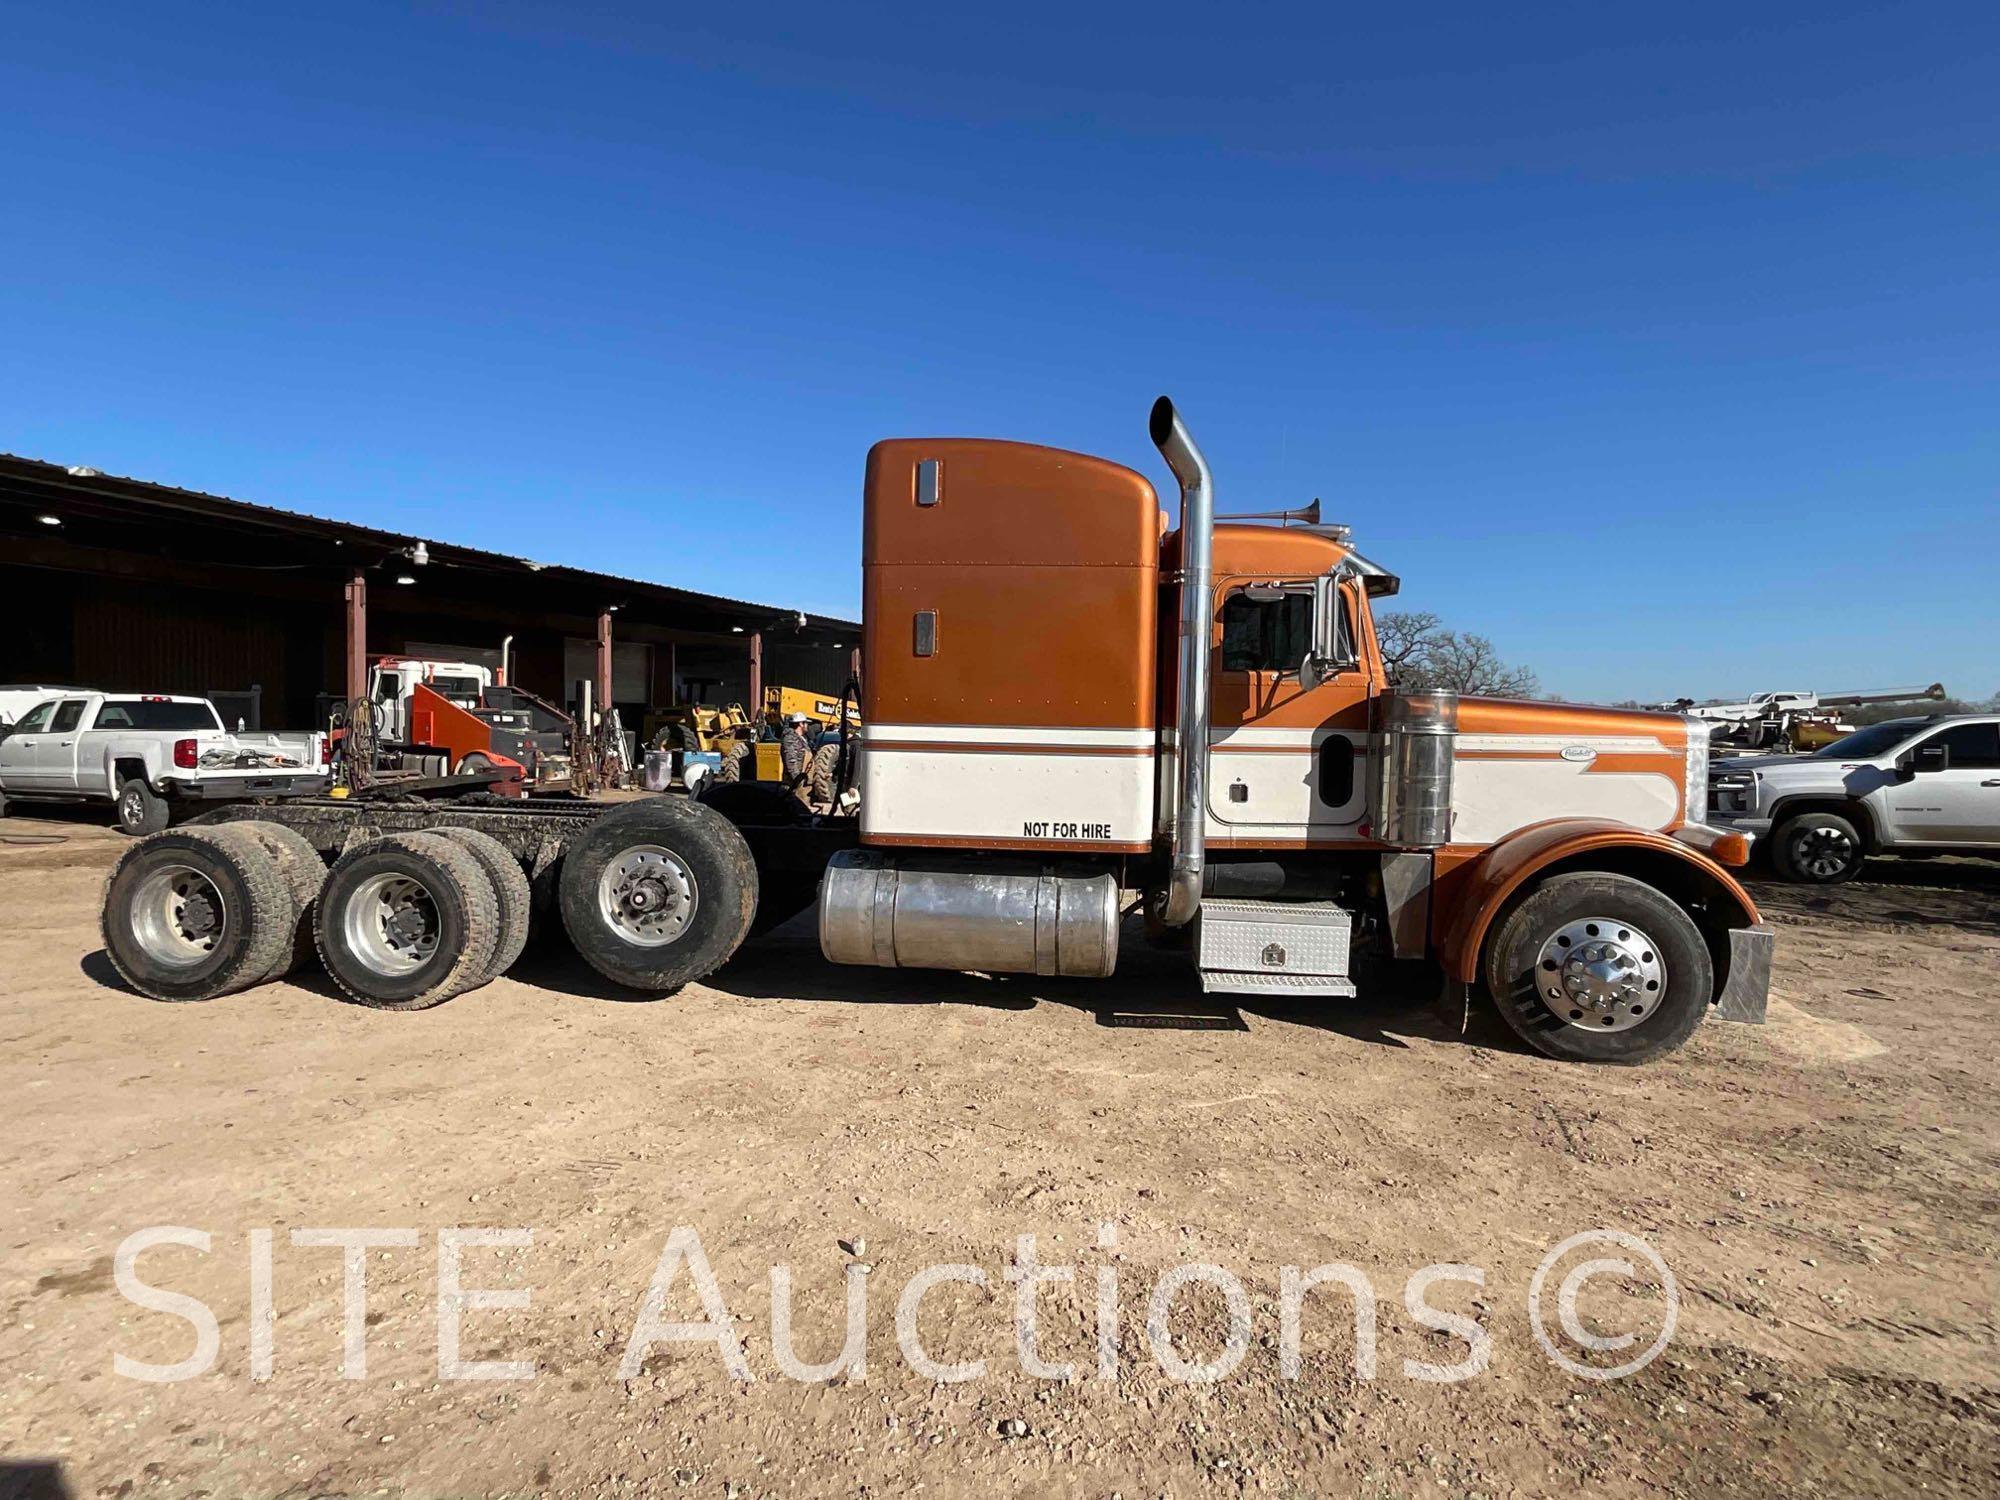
(137, 713)
(458, 689)
(1866, 744)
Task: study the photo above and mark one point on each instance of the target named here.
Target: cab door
(55, 752)
(1959, 804)
(1288, 757)
(20, 768)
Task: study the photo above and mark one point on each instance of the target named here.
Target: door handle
(1991, 781)
(64, 744)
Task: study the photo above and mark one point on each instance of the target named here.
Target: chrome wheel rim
(1600, 974)
(391, 924)
(130, 806)
(1822, 852)
(178, 918)
(647, 895)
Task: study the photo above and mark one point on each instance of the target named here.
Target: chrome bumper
(1748, 988)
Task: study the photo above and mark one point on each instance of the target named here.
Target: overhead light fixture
(84, 471)
(420, 554)
(736, 630)
(50, 520)
(405, 578)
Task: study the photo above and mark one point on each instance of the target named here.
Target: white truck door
(390, 695)
(20, 760)
(55, 754)
(1960, 804)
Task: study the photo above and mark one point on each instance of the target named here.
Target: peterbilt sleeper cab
(1070, 709)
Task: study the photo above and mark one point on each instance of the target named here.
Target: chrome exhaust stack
(1170, 436)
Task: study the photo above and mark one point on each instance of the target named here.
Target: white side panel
(1039, 785)
(1490, 798)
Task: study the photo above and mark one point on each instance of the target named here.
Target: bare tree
(1403, 637)
(1417, 651)
(1468, 663)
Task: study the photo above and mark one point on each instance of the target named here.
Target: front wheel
(1600, 968)
(1817, 849)
(659, 893)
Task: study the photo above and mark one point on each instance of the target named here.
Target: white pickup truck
(143, 752)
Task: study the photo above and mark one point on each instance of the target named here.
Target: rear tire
(141, 810)
(1614, 938)
(1818, 849)
(303, 872)
(510, 886)
(197, 913)
(659, 893)
(406, 923)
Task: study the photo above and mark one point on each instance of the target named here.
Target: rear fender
(1482, 888)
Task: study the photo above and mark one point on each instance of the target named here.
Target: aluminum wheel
(1600, 973)
(391, 924)
(132, 807)
(177, 916)
(647, 894)
(1823, 852)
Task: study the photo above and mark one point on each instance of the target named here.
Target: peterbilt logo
(1578, 752)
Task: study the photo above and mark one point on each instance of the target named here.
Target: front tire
(141, 810)
(659, 893)
(1600, 968)
(1818, 849)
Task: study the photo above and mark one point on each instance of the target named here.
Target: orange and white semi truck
(1073, 711)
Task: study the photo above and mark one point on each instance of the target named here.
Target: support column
(756, 703)
(604, 661)
(357, 636)
(854, 664)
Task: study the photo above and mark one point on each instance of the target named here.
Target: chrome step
(1274, 947)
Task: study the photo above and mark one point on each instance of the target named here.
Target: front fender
(1480, 888)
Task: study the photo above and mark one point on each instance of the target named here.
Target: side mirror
(1327, 654)
(1932, 758)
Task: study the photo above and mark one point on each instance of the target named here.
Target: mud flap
(1454, 1005)
(1748, 988)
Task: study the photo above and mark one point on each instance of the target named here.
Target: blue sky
(1660, 344)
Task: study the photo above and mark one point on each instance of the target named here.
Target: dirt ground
(1825, 1191)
